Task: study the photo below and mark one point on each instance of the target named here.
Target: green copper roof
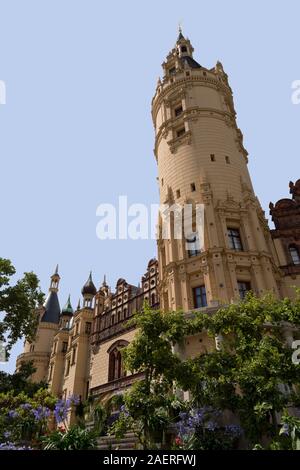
(67, 310)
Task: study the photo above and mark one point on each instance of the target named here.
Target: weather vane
(180, 26)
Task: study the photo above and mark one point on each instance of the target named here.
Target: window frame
(235, 241)
(294, 255)
(202, 296)
(243, 292)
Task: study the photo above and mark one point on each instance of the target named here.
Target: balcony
(118, 384)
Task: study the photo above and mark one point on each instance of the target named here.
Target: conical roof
(52, 308)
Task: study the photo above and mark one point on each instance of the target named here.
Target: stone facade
(286, 237)
(202, 162)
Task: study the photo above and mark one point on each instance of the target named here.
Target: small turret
(88, 292)
(51, 305)
(66, 314)
(55, 278)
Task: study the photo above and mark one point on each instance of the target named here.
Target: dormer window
(172, 71)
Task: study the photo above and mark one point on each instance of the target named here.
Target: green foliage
(97, 413)
(24, 418)
(17, 304)
(20, 381)
(291, 429)
(75, 438)
(150, 404)
(252, 376)
(246, 376)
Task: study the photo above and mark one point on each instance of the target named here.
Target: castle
(201, 160)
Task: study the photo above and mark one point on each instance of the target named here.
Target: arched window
(115, 362)
(153, 299)
(294, 253)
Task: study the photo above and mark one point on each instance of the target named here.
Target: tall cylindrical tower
(39, 350)
(201, 160)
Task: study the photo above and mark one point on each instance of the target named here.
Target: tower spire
(55, 278)
(180, 35)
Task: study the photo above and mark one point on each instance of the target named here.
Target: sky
(76, 129)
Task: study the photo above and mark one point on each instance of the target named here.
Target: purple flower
(62, 407)
(75, 400)
(211, 425)
(12, 446)
(41, 413)
(61, 410)
(26, 406)
(13, 414)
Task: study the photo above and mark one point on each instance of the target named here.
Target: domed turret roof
(89, 287)
(68, 310)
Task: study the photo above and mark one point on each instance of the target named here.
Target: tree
(253, 374)
(150, 404)
(20, 382)
(17, 304)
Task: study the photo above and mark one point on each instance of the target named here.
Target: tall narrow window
(115, 365)
(64, 347)
(199, 297)
(88, 327)
(68, 367)
(50, 372)
(212, 157)
(227, 160)
(234, 238)
(74, 355)
(294, 254)
(193, 187)
(243, 287)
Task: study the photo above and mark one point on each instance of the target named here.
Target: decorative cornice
(185, 139)
(192, 79)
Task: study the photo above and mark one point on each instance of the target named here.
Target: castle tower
(59, 349)
(202, 161)
(75, 380)
(39, 350)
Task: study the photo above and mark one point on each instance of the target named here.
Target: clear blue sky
(76, 130)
